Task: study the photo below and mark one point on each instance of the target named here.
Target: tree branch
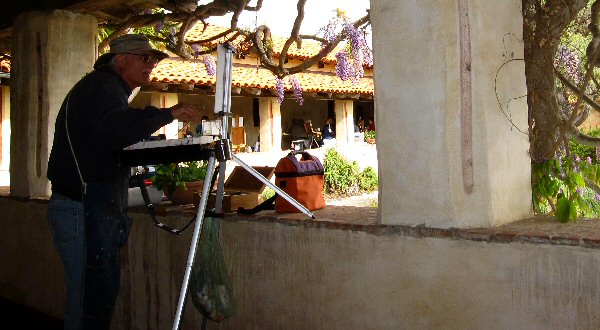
(265, 55)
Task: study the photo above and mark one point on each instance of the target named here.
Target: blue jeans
(88, 240)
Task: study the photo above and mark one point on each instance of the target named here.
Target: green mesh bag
(212, 292)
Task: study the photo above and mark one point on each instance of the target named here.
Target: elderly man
(87, 210)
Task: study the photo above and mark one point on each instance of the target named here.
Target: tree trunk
(543, 25)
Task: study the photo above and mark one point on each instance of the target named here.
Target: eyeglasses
(148, 59)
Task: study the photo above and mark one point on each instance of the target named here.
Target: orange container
(303, 179)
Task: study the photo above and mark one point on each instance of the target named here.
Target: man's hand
(184, 112)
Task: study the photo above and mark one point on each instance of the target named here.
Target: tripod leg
(195, 237)
(220, 187)
(278, 190)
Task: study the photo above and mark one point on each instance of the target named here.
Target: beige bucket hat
(130, 44)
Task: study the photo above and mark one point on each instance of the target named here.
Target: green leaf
(575, 180)
(566, 210)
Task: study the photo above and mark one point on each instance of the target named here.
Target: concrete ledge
(537, 230)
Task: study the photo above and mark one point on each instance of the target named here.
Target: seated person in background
(371, 125)
(329, 130)
(297, 131)
(361, 124)
(329, 133)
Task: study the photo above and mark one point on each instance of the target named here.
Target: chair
(311, 133)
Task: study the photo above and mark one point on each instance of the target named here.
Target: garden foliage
(344, 178)
(562, 187)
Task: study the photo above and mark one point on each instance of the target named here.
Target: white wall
(419, 110)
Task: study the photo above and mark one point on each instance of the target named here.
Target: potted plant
(179, 181)
(370, 136)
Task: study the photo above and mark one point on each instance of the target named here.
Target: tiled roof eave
(178, 72)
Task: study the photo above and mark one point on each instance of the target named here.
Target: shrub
(344, 178)
(340, 175)
(368, 180)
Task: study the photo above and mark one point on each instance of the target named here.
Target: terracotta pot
(184, 196)
(370, 141)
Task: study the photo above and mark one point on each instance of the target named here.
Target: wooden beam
(159, 85)
(251, 90)
(184, 87)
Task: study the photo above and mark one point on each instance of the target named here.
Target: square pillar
(270, 124)
(4, 135)
(166, 100)
(344, 121)
(448, 155)
(52, 50)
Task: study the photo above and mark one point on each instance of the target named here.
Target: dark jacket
(100, 124)
(328, 131)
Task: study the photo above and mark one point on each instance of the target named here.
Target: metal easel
(221, 154)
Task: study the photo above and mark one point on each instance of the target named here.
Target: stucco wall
(421, 105)
(288, 275)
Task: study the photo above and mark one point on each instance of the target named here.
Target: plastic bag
(212, 292)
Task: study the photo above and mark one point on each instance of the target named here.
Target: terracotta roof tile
(174, 70)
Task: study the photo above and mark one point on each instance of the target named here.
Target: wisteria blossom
(571, 62)
(343, 68)
(280, 90)
(352, 59)
(209, 63)
(196, 50)
(296, 88)
(360, 50)
(330, 31)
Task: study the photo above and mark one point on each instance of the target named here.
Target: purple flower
(570, 63)
(589, 160)
(296, 88)
(280, 91)
(577, 159)
(196, 50)
(360, 50)
(597, 197)
(579, 191)
(343, 69)
(209, 63)
(158, 27)
(173, 31)
(330, 31)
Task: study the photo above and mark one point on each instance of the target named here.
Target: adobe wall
(311, 275)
